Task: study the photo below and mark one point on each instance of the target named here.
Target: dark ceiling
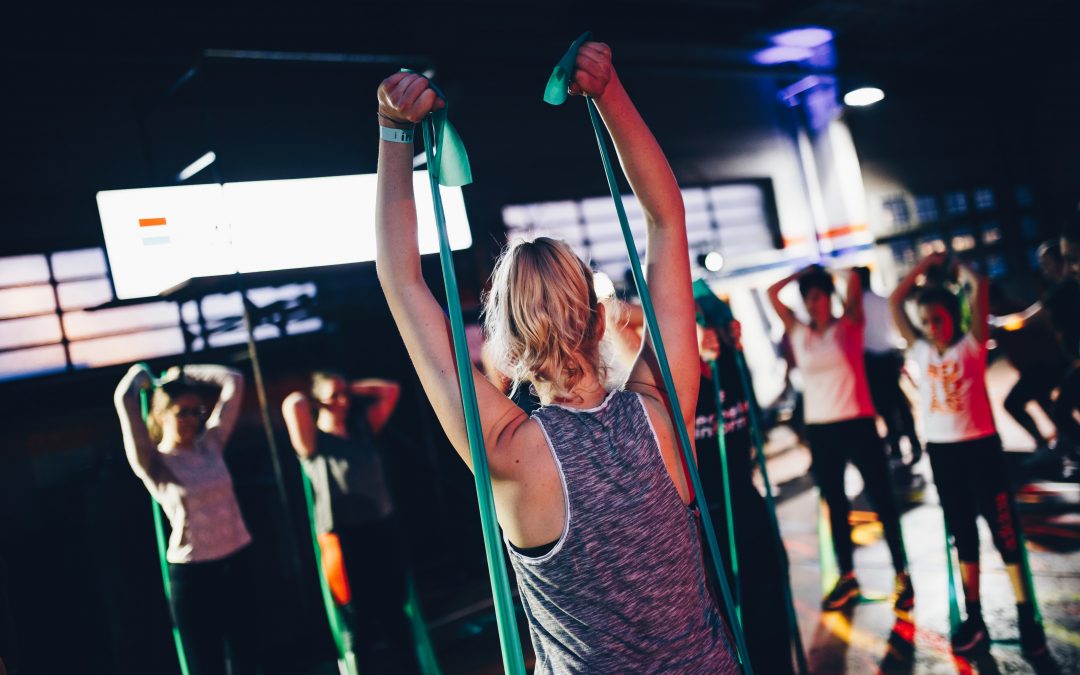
(84, 105)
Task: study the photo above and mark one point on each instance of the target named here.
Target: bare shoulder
(520, 450)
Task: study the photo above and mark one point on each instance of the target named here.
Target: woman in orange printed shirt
(962, 441)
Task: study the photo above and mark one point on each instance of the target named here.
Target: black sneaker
(904, 595)
(845, 592)
(971, 638)
(1032, 638)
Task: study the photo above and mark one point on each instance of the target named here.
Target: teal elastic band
(560, 75)
(447, 159)
(343, 638)
(558, 85)
(162, 549)
(506, 619)
(770, 501)
(729, 513)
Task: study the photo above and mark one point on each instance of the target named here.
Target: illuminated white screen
(159, 237)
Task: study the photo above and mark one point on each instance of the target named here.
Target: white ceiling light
(196, 166)
(863, 96)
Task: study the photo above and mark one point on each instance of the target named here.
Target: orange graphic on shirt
(945, 377)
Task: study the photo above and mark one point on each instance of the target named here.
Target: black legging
(376, 567)
(214, 603)
(972, 479)
(883, 379)
(1035, 384)
(1068, 402)
(832, 446)
(761, 567)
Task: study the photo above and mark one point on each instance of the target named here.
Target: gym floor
(870, 638)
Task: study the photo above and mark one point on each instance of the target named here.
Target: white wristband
(395, 135)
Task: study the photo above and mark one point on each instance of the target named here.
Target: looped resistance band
(560, 77)
(343, 638)
(159, 534)
(716, 312)
(448, 165)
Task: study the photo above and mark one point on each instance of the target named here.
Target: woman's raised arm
(406, 99)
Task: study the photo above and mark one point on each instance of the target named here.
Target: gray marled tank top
(623, 590)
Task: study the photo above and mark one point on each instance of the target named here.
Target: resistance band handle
(729, 513)
(513, 660)
(741, 653)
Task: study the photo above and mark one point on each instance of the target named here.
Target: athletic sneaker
(904, 595)
(972, 637)
(845, 592)
(1032, 638)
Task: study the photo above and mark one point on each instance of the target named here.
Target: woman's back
(624, 589)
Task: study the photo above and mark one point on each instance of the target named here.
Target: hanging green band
(343, 638)
(774, 521)
(716, 312)
(159, 534)
(729, 513)
(513, 661)
(560, 77)
(954, 596)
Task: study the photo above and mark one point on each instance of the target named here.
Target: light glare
(196, 166)
(863, 96)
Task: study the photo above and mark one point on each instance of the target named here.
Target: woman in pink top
(840, 425)
(962, 441)
(177, 452)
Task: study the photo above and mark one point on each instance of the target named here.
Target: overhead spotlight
(712, 261)
(781, 54)
(809, 37)
(863, 96)
(196, 166)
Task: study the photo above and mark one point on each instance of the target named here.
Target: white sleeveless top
(200, 504)
(952, 391)
(833, 372)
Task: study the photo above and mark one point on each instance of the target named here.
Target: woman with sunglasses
(177, 452)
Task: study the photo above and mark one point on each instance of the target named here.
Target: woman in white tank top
(840, 424)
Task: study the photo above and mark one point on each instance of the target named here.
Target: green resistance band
(774, 521)
(425, 651)
(159, 533)
(448, 164)
(729, 513)
(560, 79)
(830, 573)
(343, 638)
(953, 561)
(716, 312)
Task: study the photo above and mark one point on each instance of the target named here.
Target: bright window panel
(23, 269)
(79, 325)
(222, 306)
(31, 362)
(127, 348)
(83, 294)
(956, 203)
(26, 301)
(38, 330)
(79, 264)
(265, 296)
(984, 199)
(308, 325)
(926, 207)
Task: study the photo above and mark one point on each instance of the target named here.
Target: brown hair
(164, 396)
